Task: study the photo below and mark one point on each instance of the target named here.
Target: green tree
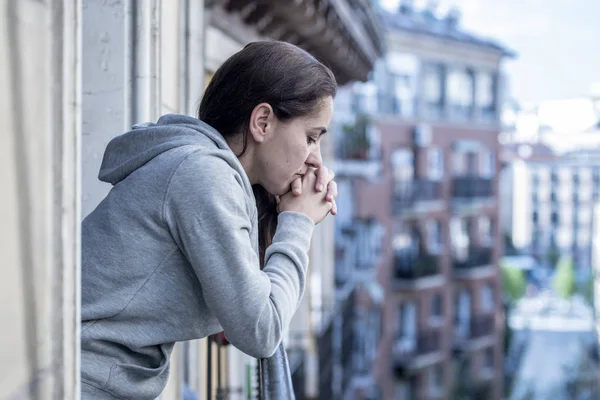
(514, 282)
(564, 278)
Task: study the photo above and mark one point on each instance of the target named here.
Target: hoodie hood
(130, 151)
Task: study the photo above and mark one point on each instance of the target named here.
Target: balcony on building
(476, 333)
(356, 153)
(416, 271)
(412, 353)
(472, 188)
(473, 263)
(413, 195)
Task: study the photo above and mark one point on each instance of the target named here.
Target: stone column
(39, 169)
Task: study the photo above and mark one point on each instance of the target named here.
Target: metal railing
(273, 377)
(472, 187)
(406, 349)
(415, 266)
(406, 194)
(482, 325)
(476, 257)
(221, 391)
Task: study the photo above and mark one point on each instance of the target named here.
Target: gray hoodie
(171, 254)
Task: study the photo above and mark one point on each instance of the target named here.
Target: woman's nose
(314, 159)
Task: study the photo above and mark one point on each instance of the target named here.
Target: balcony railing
(272, 380)
(479, 326)
(476, 257)
(217, 347)
(356, 142)
(472, 187)
(407, 194)
(407, 350)
(409, 267)
(482, 325)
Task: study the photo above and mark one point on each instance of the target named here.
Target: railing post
(220, 390)
(209, 368)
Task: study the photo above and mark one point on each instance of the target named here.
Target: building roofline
(427, 24)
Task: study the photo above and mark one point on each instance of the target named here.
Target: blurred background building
(461, 264)
(417, 163)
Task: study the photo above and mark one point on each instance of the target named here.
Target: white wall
(39, 211)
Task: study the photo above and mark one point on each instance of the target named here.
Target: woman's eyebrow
(322, 130)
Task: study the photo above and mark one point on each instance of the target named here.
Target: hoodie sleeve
(207, 211)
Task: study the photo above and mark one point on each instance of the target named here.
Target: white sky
(557, 41)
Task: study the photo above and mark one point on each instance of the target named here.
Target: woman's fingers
(297, 186)
(323, 178)
(332, 191)
(333, 208)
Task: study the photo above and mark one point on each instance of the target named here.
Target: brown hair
(286, 77)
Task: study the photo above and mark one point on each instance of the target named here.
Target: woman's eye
(310, 140)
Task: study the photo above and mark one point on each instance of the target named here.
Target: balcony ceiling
(344, 34)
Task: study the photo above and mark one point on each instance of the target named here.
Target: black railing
(408, 266)
(482, 325)
(406, 194)
(472, 187)
(476, 257)
(406, 350)
(217, 347)
(273, 378)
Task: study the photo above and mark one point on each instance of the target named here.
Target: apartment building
(417, 165)
(551, 211)
(76, 74)
(551, 179)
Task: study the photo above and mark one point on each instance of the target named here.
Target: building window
(487, 298)
(462, 369)
(460, 236)
(436, 379)
(408, 326)
(366, 94)
(488, 358)
(459, 163)
(433, 92)
(403, 101)
(403, 165)
(437, 305)
(435, 238)
(406, 389)
(462, 314)
(487, 165)
(460, 92)
(435, 160)
(486, 236)
(485, 94)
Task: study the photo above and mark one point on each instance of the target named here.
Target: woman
(198, 207)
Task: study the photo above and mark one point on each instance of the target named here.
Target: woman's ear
(260, 119)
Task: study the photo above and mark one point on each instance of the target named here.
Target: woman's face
(290, 148)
